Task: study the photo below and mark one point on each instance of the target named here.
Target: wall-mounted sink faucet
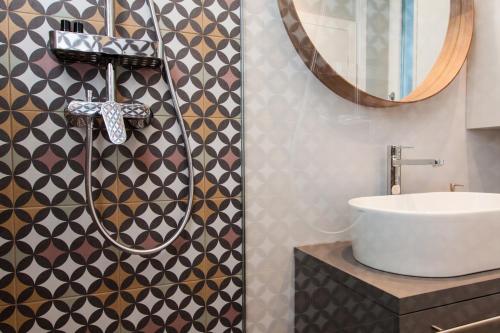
(394, 163)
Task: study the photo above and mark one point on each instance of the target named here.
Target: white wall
(430, 34)
(483, 97)
(309, 151)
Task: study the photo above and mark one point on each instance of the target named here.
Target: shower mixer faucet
(136, 115)
(394, 163)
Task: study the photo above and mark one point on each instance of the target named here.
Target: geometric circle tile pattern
(54, 263)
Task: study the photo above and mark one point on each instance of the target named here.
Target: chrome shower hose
(88, 160)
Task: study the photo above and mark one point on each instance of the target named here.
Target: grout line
(164, 115)
(66, 298)
(11, 152)
(16, 320)
(25, 12)
(108, 204)
(191, 281)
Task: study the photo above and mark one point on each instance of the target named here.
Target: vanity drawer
(456, 315)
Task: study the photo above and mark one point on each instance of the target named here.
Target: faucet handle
(399, 148)
(439, 163)
(453, 187)
(395, 151)
(112, 114)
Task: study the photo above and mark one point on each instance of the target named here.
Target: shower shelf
(97, 49)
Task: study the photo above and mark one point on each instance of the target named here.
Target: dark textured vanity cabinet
(335, 293)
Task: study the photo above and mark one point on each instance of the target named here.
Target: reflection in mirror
(383, 47)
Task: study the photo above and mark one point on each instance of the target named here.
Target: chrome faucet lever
(432, 162)
(112, 115)
(394, 163)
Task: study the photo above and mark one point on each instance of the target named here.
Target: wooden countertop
(401, 294)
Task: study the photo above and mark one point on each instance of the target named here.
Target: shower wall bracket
(98, 49)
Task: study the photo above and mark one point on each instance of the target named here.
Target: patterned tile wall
(56, 270)
(308, 151)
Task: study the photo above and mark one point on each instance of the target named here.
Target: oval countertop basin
(429, 234)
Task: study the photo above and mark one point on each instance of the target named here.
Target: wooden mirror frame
(446, 68)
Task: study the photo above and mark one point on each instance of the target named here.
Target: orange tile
(8, 318)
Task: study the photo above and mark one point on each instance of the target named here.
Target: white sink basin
(428, 234)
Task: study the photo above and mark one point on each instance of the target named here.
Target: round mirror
(381, 53)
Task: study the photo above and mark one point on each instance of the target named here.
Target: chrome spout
(418, 162)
